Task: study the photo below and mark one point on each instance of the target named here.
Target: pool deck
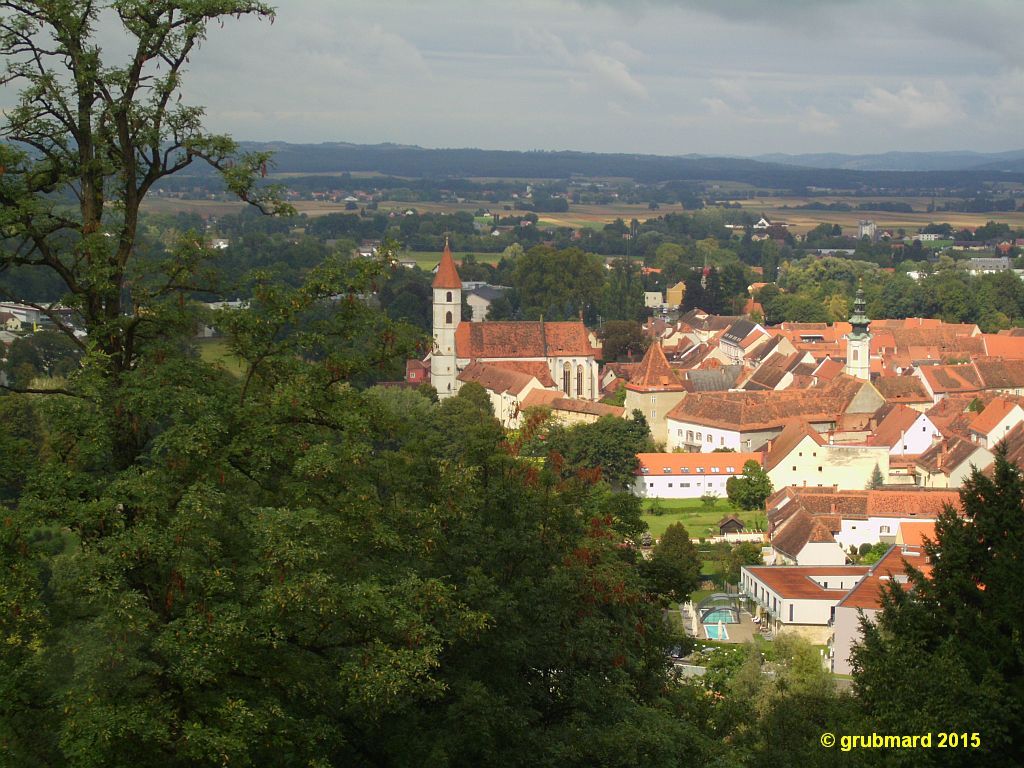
(737, 633)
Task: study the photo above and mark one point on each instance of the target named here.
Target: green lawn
(698, 519)
(215, 351)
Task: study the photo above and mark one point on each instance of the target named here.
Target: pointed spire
(859, 319)
(447, 275)
(654, 372)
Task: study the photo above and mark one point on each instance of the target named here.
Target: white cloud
(910, 107)
(613, 73)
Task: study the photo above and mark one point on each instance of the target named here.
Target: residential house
(746, 421)
(507, 387)
(904, 431)
(865, 600)
(949, 462)
(688, 475)
(995, 421)
(801, 456)
(799, 599)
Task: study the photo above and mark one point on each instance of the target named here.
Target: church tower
(858, 342)
(447, 314)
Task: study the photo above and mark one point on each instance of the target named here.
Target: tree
(877, 480)
(622, 338)
(609, 446)
(673, 570)
(750, 490)
(743, 553)
(948, 649)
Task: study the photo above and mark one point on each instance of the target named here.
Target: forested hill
(417, 162)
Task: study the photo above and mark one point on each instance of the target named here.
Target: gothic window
(566, 370)
(579, 381)
(449, 296)
(855, 358)
(448, 318)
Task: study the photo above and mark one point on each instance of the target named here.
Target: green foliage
(749, 490)
(621, 339)
(877, 479)
(607, 447)
(558, 285)
(673, 570)
(949, 651)
(741, 554)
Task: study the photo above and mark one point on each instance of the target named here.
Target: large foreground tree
(947, 655)
(274, 568)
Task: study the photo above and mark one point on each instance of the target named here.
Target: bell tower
(858, 342)
(447, 313)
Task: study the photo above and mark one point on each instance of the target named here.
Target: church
(516, 357)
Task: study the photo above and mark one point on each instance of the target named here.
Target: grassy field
(215, 351)
(699, 521)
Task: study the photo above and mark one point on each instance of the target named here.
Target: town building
(688, 475)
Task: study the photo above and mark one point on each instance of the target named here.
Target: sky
(736, 77)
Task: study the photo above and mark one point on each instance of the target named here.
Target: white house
(995, 422)
(865, 600)
(904, 431)
(688, 475)
(799, 599)
(803, 457)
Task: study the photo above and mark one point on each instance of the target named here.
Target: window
(670, 485)
(667, 470)
(679, 432)
(579, 381)
(791, 610)
(650, 485)
(794, 468)
(686, 470)
(684, 485)
(709, 437)
(721, 440)
(716, 470)
(884, 529)
(645, 470)
(700, 470)
(565, 378)
(730, 469)
(689, 434)
(449, 296)
(819, 469)
(855, 355)
(448, 318)
(699, 437)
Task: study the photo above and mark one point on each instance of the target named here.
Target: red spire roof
(447, 275)
(654, 374)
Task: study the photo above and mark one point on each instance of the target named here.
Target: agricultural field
(802, 221)
(427, 260)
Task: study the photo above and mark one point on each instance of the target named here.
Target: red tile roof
(893, 427)
(914, 533)
(1008, 347)
(795, 582)
(536, 368)
(654, 374)
(694, 463)
(867, 594)
(447, 276)
(994, 412)
(496, 379)
(902, 389)
(745, 411)
(538, 340)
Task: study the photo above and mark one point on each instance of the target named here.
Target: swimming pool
(715, 632)
(725, 616)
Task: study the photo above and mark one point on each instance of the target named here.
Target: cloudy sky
(653, 76)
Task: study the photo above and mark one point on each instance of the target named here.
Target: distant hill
(417, 162)
(906, 161)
